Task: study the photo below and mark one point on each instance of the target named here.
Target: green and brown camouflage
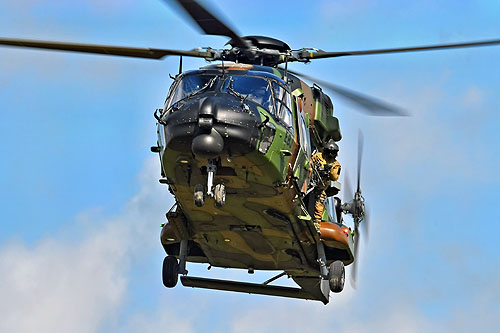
(266, 222)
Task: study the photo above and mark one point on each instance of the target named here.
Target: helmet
(330, 149)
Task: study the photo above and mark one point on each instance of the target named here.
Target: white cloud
(286, 316)
(473, 96)
(61, 286)
(78, 282)
(167, 317)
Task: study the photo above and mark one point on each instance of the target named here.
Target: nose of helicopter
(207, 141)
(212, 125)
(208, 145)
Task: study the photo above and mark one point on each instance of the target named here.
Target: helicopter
(253, 192)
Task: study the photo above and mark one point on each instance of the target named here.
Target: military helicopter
(235, 142)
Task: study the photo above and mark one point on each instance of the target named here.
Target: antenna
(180, 64)
(285, 75)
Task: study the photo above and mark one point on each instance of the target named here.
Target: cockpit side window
(251, 88)
(283, 104)
(305, 140)
(188, 85)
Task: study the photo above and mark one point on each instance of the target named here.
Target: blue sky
(81, 204)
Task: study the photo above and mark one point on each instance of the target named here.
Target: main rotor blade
(124, 51)
(368, 104)
(360, 156)
(210, 24)
(323, 54)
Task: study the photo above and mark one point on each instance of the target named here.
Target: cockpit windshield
(251, 88)
(267, 92)
(190, 85)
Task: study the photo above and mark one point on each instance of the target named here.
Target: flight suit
(326, 176)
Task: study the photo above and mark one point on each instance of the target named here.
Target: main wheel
(199, 195)
(220, 195)
(337, 276)
(170, 271)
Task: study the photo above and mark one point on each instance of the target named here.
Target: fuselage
(255, 129)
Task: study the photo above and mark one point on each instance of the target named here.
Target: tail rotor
(356, 208)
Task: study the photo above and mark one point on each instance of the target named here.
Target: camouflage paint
(264, 224)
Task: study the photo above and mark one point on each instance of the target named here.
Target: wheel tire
(337, 276)
(199, 195)
(170, 271)
(220, 195)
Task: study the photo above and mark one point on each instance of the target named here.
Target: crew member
(328, 168)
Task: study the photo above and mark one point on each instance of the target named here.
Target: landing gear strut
(211, 170)
(332, 276)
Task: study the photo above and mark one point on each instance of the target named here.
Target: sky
(82, 207)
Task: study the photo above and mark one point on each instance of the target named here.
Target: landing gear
(220, 195)
(199, 195)
(173, 267)
(170, 272)
(336, 274)
(218, 192)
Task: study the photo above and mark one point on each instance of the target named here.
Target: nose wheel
(220, 195)
(218, 192)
